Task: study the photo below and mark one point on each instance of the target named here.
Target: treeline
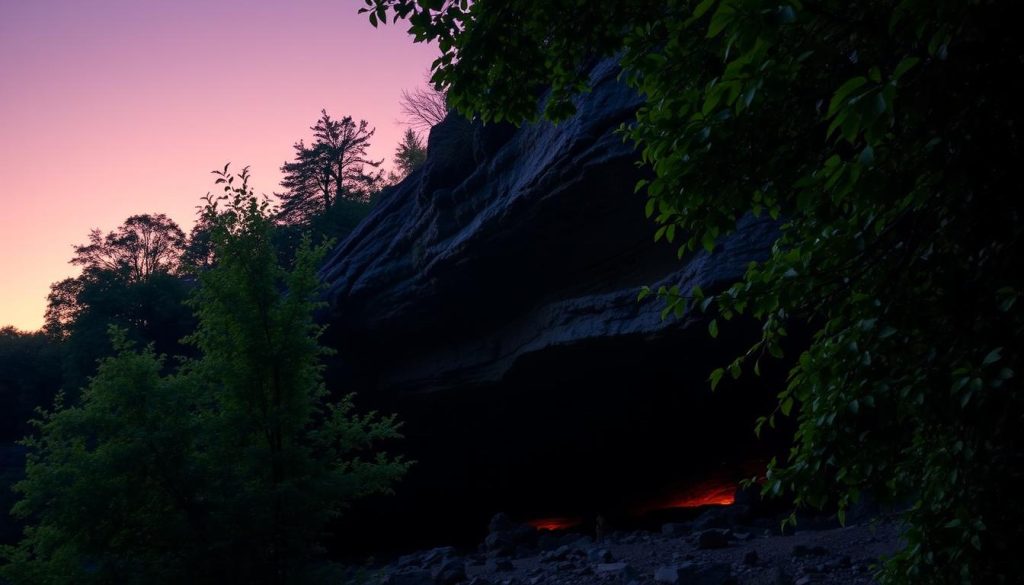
(178, 426)
(225, 463)
(139, 276)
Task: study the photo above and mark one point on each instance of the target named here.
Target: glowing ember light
(717, 492)
(554, 523)
(720, 495)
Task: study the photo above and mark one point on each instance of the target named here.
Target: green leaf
(713, 328)
(905, 65)
(721, 19)
(844, 92)
(786, 406)
(708, 241)
(702, 8)
(716, 377)
(992, 357)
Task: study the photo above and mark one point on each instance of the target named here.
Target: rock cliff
(490, 300)
(509, 244)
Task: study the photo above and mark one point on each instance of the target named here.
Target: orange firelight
(706, 495)
(554, 523)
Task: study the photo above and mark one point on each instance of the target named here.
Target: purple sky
(110, 108)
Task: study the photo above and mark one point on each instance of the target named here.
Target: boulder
(675, 529)
(451, 572)
(620, 571)
(713, 539)
(409, 577)
(599, 555)
(500, 543)
(695, 574)
(500, 566)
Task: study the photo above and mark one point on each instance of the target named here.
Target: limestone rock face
(490, 300)
(511, 243)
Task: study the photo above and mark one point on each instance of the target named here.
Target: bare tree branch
(423, 108)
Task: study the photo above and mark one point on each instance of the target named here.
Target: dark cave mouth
(625, 430)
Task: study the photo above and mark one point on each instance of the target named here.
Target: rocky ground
(719, 547)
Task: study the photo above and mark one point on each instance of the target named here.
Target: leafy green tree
(294, 462)
(410, 154)
(333, 168)
(883, 137)
(228, 470)
(110, 494)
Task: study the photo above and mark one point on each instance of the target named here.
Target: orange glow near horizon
(554, 523)
(118, 107)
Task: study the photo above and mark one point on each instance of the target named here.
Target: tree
(423, 108)
(130, 277)
(881, 136)
(142, 246)
(227, 470)
(110, 495)
(334, 167)
(198, 254)
(29, 377)
(410, 154)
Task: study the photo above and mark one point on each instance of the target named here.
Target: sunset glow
(118, 107)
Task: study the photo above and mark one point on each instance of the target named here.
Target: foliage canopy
(883, 136)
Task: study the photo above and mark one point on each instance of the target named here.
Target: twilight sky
(110, 108)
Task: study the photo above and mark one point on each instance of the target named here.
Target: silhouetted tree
(129, 278)
(29, 377)
(334, 167)
(411, 153)
(143, 245)
(198, 254)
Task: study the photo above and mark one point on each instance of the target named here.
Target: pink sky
(110, 108)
